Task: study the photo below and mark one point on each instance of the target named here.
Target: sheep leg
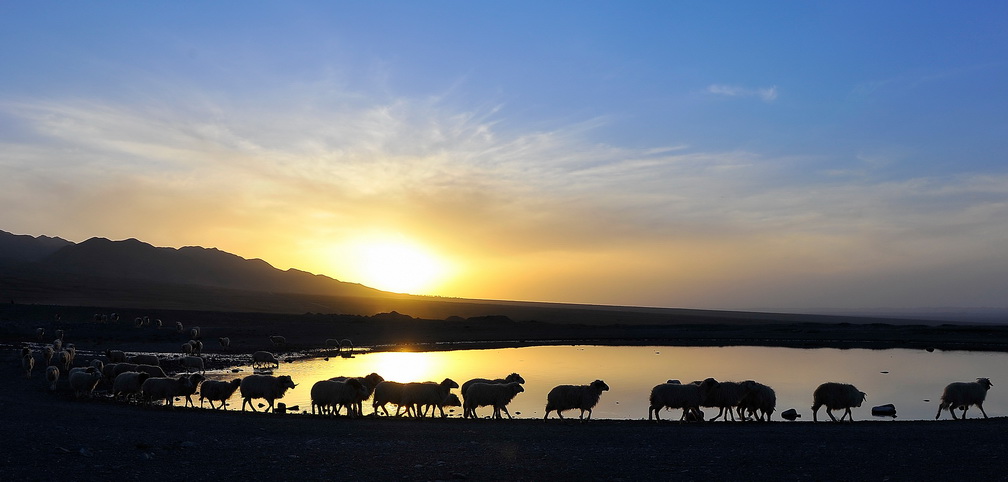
(507, 412)
(964, 411)
(980, 406)
(830, 413)
(559, 414)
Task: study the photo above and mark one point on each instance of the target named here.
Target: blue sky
(742, 155)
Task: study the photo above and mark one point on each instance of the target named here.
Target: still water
(910, 379)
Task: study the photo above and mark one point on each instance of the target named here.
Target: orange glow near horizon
(391, 263)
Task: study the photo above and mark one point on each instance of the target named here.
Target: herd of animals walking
(141, 379)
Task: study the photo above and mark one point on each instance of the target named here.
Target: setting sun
(395, 264)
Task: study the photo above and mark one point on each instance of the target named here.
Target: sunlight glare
(396, 264)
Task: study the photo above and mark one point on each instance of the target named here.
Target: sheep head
(598, 385)
(985, 382)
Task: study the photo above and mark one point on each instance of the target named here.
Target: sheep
(28, 363)
(225, 342)
(143, 359)
(62, 358)
(417, 394)
(760, 401)
(962, 395)
(59, 335)
(514, 377)
(115, 356)
(157, 388)
(194, 363)
(494, 394)
(52, 376)
(83, 382)
(119, 368)
(329, 394)
(187, 348)
(138, 322)
(127, 384)
(47, 354)
(264, 386)
(39, 333)
(97, 364)
(194, 333)
(158, 323)
(387, 392)
(87, 369)
(197, 346)
(277, 340)
(676, 395)
(187, 391)
(219, 391)
(152, 370)
(264, 359)
(369, 383)
(179, 328)
(57, 344)
(569, 397)
(836, 396)
(724, 396)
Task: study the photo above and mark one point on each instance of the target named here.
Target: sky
(781, 156)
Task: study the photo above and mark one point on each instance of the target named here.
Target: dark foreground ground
(52, 435)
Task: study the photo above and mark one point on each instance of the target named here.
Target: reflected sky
(911, 379)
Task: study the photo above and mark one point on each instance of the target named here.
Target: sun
(396, 264)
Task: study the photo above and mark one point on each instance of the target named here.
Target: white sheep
(369, 383)
(144, 359)
(724, 396)
(327, 395)
(187, 391)
(264, 386)
(962, 395)
(759, 401)
(417, 394)
(52, 376)
(83, 382)
(194, 333)
(127, 384)
(277, 340)
(225, 342)
(569, 397)
(215, 390)
(387, 392)
(836, 396)
(514, 377)
(490, 394)
(28, 363)
(262, 359)
(193, 363)
(157, 388)
(115, 356)
(63, 359)
(676, 395)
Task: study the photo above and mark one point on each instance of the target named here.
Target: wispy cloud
(767, 94)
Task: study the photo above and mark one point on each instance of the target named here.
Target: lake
(912, 380)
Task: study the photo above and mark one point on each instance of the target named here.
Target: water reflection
(912, 380)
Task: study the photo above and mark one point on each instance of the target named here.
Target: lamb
(225, 342)
(962, 395)
(387, 392)
(264, 386)
(194, 333)
(115, 356)
(52, 376)
(569, 397)
(28, 363)
(369, 383)
(514, 377)
(675, 395)
(494, 394)
(218, 390)
(278, 340)
(152, 370)
(128, 384)
(722, 395)
(187, 391)
(836, 396)
(194, 363)
(143, 359)
(83, 382)
(178, 327)
(760, 401)
(417, 394)
(264, 359)
(327, 395)
(157, 388)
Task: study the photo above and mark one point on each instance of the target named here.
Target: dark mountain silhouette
(131, 259)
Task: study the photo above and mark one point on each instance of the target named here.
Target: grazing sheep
(836, 396)
(724, 396)
(194, 333)
(264, 386)
(217, 390)
(327, 395)
(514, 377)
(490, 394)
(28, 363)
(388, 392)
(157, 388)
(187, 391)
(225, 342)
(569, 397)
(759, 401)
(87, 369)
(152, 370)
(143, 359)
(120, 368)
(675, 395)
(962, 395)
(83, 382)
(52, 376)
(417, 394)
(178, 327)
(115, 356)
(127, 384)
(39, 333)
(262, 359)
(193, 363)
(369, 383)
(277, 340)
